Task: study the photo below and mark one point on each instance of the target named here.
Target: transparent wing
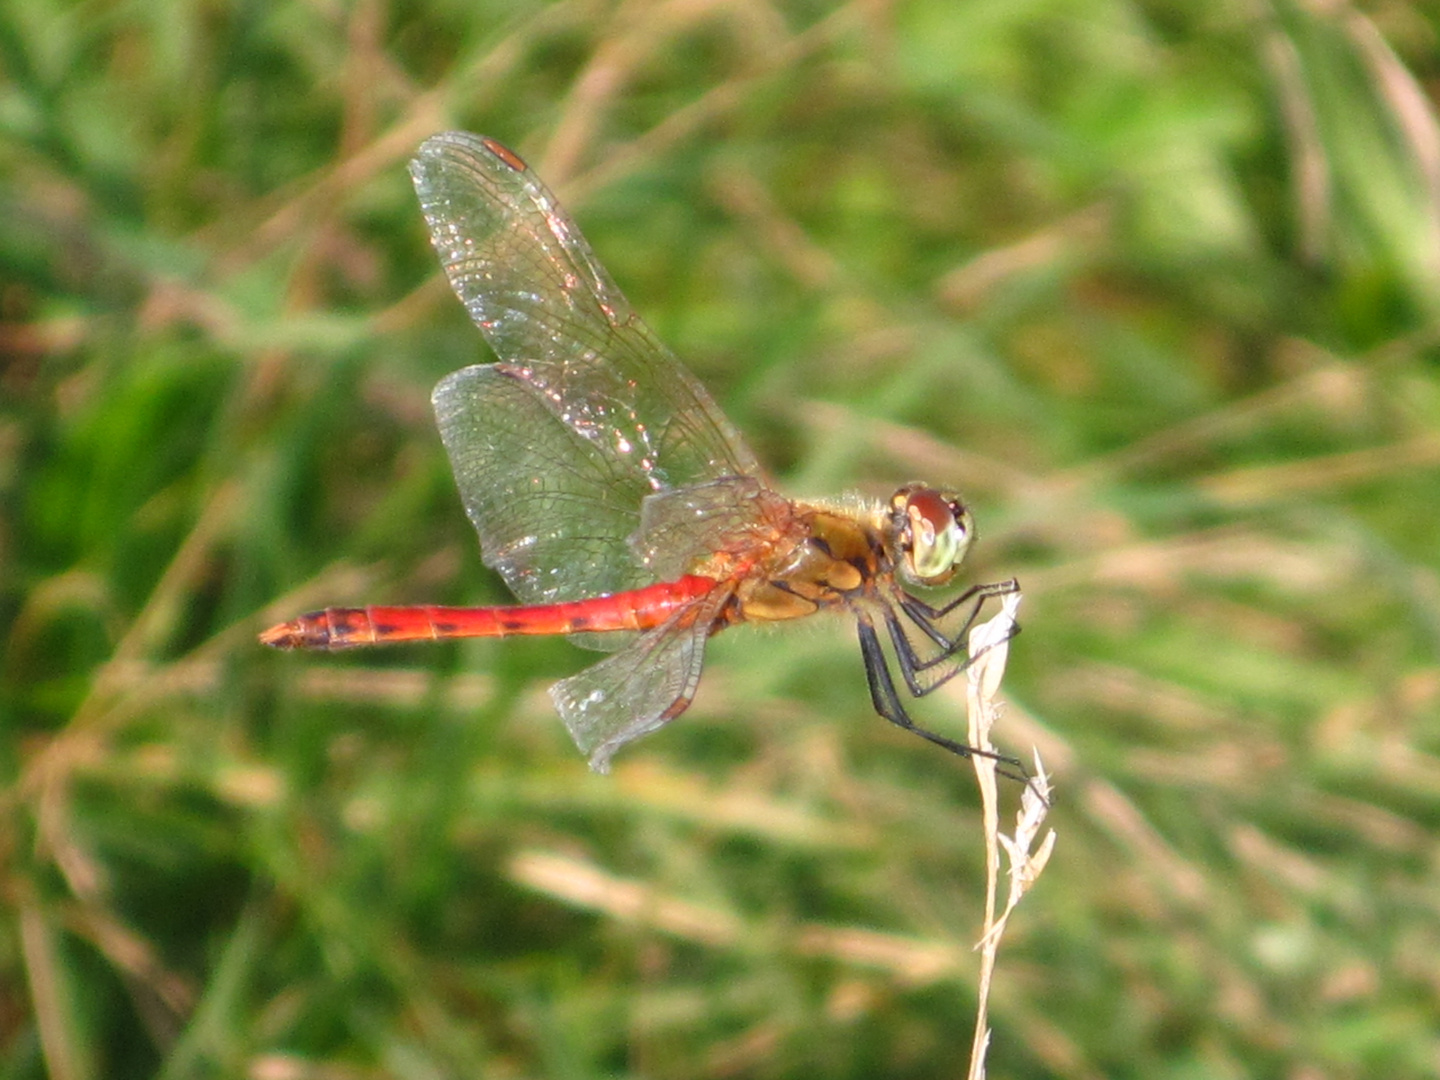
(601, 402)
(642, 687)
(548, 504)
(734, 514)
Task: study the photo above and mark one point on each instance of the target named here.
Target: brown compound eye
(934, 530)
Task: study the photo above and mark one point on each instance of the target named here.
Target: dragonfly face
(929, 534)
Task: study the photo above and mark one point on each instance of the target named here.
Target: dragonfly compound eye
(937, 529)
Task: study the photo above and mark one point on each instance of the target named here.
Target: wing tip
(442, 144)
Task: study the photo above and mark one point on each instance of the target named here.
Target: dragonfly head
(929, 534)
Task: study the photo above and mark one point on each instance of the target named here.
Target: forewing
(642, 687)
(551, 312)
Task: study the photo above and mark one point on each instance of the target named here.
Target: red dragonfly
(617, 501)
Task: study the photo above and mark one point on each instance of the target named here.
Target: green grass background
(1157, 284)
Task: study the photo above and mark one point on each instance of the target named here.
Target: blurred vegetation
(1157, 284)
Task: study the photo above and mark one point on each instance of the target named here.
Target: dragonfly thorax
(928, 535)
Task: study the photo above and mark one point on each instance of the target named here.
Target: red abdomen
(344, 628)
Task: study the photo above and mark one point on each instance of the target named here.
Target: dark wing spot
(505, 154)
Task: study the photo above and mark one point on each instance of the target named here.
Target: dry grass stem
(989, 648)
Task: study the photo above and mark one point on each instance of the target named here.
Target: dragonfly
(621, 506)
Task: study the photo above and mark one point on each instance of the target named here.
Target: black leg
(912, 667)
(926, 617)
(911, 664)
(993, 588)
(888, 704)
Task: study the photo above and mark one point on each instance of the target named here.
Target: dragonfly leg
(888, 704)
(927, 617)
(984, 591)
(912, 666)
